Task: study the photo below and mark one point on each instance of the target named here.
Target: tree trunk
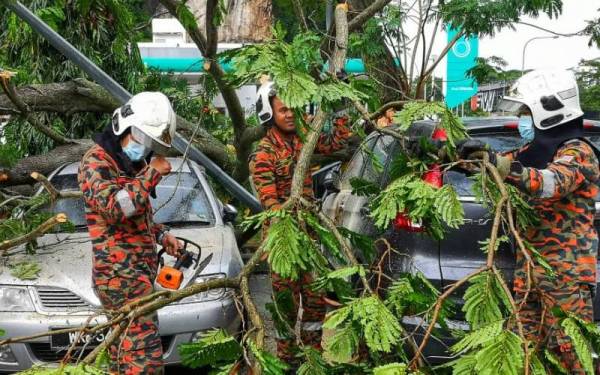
(70, 97)
(44, 164)
(247, 21)
(85, 96)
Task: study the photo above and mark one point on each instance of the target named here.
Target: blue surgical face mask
(526, 128)
(134, 151)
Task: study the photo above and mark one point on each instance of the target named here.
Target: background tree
(588, 78)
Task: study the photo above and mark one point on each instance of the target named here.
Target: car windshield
(180, 198)
(499, 143)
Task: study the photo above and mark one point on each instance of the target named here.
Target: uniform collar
(278, 140)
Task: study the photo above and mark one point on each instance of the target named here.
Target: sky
(564, 52)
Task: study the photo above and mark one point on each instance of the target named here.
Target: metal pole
(525, 47)
(122, 95)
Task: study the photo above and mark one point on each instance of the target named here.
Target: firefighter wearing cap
(117, 179)
(558, 171)
(272, 168)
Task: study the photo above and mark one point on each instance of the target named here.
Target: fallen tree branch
(54, 193)
(9, 90)
(37, 232)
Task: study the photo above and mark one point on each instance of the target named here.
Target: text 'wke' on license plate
(62, 341)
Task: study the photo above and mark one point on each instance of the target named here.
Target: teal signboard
(461, 58)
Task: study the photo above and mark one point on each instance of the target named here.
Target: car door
(349, 210)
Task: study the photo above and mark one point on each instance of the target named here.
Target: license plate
(63, 341)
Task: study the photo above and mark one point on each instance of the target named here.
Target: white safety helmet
(151, 119)
(264, 110)
(551, 95)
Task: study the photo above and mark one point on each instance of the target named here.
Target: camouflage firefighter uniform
(562, 196)
(119, 218)
(272, 169)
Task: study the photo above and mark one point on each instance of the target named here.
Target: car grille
(57, 298)
(43, 352)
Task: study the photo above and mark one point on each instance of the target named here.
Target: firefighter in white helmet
(272, 168)
(558, 171)
(117, 177)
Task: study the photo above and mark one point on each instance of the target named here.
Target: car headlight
(13, 298)
(209, 295)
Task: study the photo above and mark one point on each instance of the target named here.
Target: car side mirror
(331, 182)
(229, 213)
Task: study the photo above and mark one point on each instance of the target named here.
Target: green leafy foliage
(25, 270)
(64, 370)
(313, 363)
(580, 343)
(2, 332)
(361, 243)
(380, 327)
(484, 299)
(413, 294)
(270, 364)
(362, 187)
(478, 338)
(291, 250)
(102, 360)
(487, 17)
(281, 308)
(216, 347)
(106, 31)
(413, 111)
(326, 238)
(555, 362)
(501, 355)
(341, 346)
(421, 202)
(290, 65)
(391, 369)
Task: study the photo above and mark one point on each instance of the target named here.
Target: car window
(179, 198)
(375, 163)
(369, 163)
(356, 164)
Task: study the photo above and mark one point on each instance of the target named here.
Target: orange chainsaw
(188, 264)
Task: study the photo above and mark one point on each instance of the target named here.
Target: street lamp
(525, 47)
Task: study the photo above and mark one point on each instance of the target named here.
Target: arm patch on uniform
(126, 203)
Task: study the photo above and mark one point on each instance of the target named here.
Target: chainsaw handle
(179, 261)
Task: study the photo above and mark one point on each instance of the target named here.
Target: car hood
(66, 260)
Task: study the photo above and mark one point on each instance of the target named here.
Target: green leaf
(478, 338)
(502, 356)
(581, 345)
(314, 364)
(484, 299)
(361, 242)
(363, 187)
(25, 270)
(536, 365)
(102, 359)
(341, 346)
(391, 369)
(186, 17)
(380, 327)
(2, 332)
(270, 364)
(290, 249)
(214, 347)
(555, 362)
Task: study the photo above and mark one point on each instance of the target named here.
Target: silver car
(62, 295)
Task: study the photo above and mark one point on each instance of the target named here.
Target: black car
(445, 261)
